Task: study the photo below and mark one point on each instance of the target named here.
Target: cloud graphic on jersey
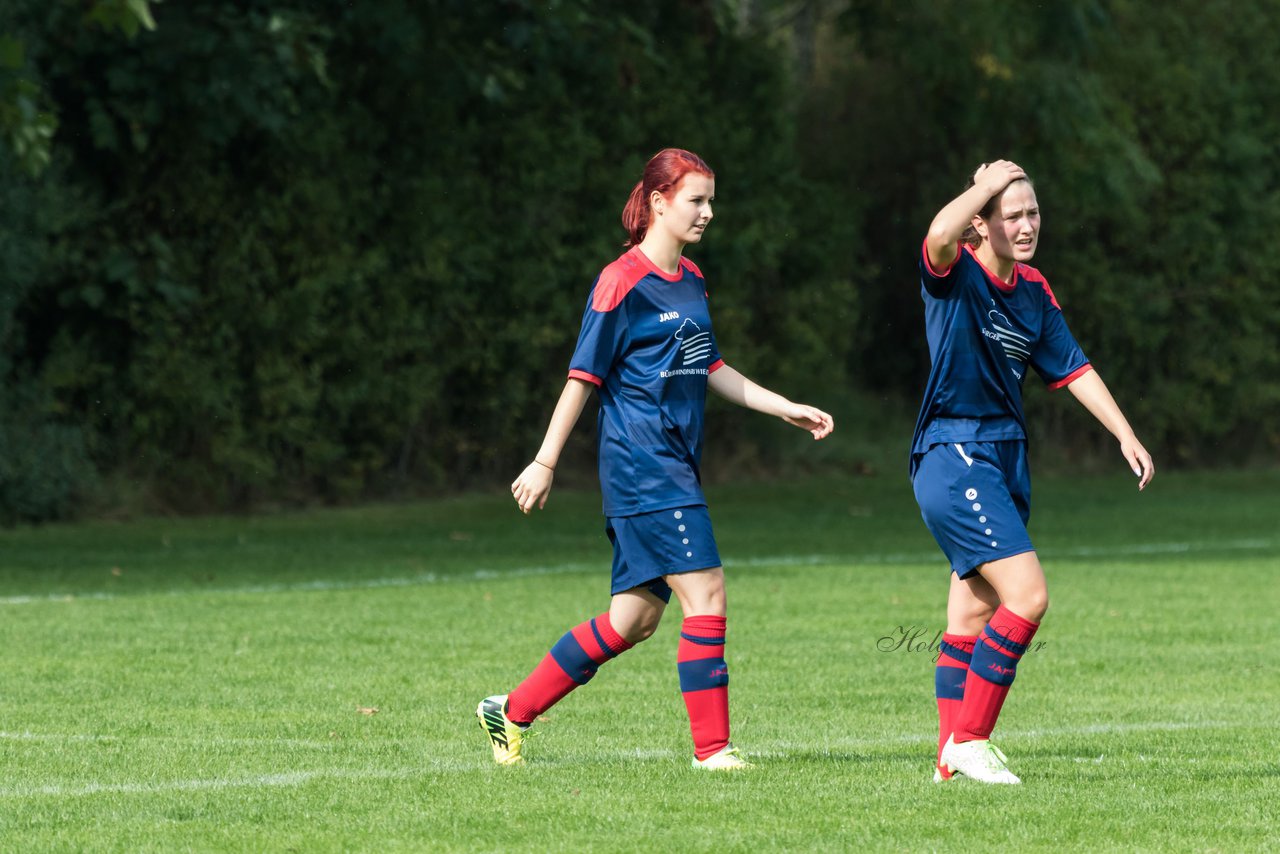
(696, 344)
(1016, 345)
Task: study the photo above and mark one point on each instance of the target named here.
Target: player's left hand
(1139, 460)
(810, 418)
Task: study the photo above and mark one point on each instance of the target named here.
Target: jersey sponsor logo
(1017, 347)
(668, 315)
(695, 345)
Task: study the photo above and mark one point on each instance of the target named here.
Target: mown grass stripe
(429, 766)
(429, 578)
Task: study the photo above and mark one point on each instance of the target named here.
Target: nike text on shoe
(978, 760)
(725, 760)
(505, 736)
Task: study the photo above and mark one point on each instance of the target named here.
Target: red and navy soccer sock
(570, 663)
(1001, 645)
(704, 682)
(948, 679)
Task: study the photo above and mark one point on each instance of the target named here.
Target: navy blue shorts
(665, 542)
(975, 498)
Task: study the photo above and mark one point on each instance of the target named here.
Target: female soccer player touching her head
(988, 315)
(647, 347)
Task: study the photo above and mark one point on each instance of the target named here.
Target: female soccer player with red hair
(988, 315)
(647, 347)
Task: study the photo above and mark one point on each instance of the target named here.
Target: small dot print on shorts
(686, 540)
(977, 507)
(679, 515)
(971, 493)
(680, 529)
(688, 554)
(982, 519)
(994, 544)
(988, 533)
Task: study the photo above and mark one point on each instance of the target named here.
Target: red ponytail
(663, 173)
(635, 215)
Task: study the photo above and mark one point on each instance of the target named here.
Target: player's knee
(639, 629)
(970, 619)
(1032, 605)
(701, 593)
(1043, 607)
(713, 603)
(981, 613)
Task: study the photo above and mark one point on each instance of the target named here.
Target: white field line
(429, 767)
(782, 748)
(287, 778)
(104, 738)
(429, 578)
(875, 741)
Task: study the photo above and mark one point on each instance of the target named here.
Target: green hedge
(293, 251)
(296, 254)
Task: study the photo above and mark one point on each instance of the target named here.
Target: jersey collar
(658, 271)
(995, 280)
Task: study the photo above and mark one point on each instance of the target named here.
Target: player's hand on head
(810, 418)
(994, 177)
(532, 487)
(1140, 462)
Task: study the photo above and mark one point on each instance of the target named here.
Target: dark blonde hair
(971, 235)
(664, 172)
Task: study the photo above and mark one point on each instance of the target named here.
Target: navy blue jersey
(983, 333)
(647, 344)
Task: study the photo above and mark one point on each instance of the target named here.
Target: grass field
(176, 685)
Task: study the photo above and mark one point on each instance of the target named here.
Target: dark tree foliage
(288, 251)
(293, 250)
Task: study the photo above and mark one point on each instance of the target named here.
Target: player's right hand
(532, 487)
(994, 177)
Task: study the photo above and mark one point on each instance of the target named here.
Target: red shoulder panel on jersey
(691, 267)
(928, 265)
(1031, 274)
(617, 280)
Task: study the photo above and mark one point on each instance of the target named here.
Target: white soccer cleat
(978, 760)
(727, 759)
(506, 737)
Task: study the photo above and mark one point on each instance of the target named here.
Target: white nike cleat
(978, 760)
(725, 760)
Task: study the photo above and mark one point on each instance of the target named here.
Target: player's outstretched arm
(1093, 393)
(943, 240)
(534, 483)
(736, 388)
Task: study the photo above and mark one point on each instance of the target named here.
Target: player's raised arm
(736, 388)
(949, 226)
(534, 483)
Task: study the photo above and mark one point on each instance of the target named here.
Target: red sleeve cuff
(583, 375)
(938, 274)
(1071, 377)
(715, 366)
